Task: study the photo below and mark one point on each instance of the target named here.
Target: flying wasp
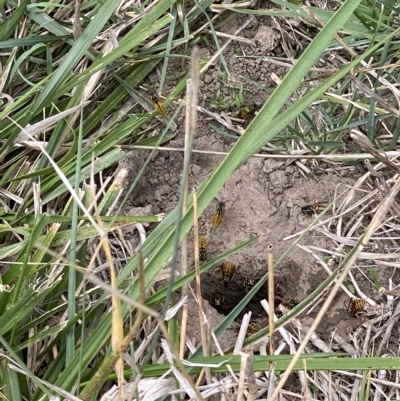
(312, 210)
(202, 248)
(228, 270)
(248, 283)
(157, 102)
(218, 215)
(356, 306)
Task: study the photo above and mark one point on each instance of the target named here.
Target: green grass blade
(30, 41)
(73, 56)
(121, 50)
(7, 28)
(310, 362)
(31, 296)
(100, 164)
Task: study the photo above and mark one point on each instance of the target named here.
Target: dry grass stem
(236, 38)
(183, 379)
(228, 5)
(17, 368)
(242, 376)
(242, 334)
(373, 380)
(364, 142)
(296, 154)
(343, 344)
(65, 181)
(251, 378)
(322, 263)
(271, 301)
(223, 120)
(149, 389)
(198, 289)
(224, 46)
(43, 125)
(183, 271)
(191, 126)
(388, 329)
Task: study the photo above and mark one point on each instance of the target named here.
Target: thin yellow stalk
(117, 333)
(271, 322)
(138, 320)
(271, 301)
(198, 285)
(183, 271)
(190, 129)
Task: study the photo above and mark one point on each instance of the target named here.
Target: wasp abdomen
(315, 208)
(228, 270)
(252, 328)
(356, 306)
(202, 248)
(157, 102)
(219, 215)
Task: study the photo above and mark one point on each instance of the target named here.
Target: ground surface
(262, 198)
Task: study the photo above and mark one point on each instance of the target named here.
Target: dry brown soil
(262, 198)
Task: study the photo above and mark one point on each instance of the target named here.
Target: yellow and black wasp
(247, 112)
(312, 210)
(202, 248)
(217, 302)
(248, 283)
(218, 215)
(291, 303)
(228, 270)
(157, 102)
(355, 307)
(252, 328)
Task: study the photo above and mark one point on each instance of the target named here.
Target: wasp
(355, 307)
(217, 302)
(311, 210)
(248, 284)
(218, 215)
(247, 112)
(291, 303)
(202, 248)
(228, 270)
(157, 102)
(252, 328)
